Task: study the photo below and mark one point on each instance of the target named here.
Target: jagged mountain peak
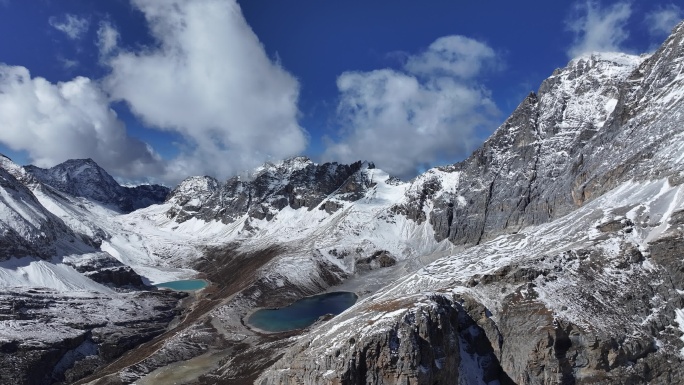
(193, 191)
(85, 178)
(7, 164)
(81, 177)
(290, 164)
(295, 182)
(602, 60)
(17, 171)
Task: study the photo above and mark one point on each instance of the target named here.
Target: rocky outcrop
(584, 316)
(50, 338)
(377, 260)
(105, 269)
(437, 342)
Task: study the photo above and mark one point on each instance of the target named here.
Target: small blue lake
(302, 313)
(184, 285)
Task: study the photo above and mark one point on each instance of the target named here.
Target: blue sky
(162, 90)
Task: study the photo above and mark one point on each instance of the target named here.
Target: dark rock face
(540, 346)
(107, 270)
(145, 195)
(626, 338)
(85, 178)
(295, 183)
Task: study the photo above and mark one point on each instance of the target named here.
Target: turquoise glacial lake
(184, 285)
(302, 313)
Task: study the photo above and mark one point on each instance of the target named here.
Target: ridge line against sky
(160, 91)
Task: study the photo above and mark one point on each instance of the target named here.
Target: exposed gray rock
(47, 337)
(379, 259)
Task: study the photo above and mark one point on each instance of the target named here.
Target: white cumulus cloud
(661, 21)
(454, 56)
(107, 38)
(56, 122)
(426, 114)
(209, 79)
(73, 26)
(599, 29)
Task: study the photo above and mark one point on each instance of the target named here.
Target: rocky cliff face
(522, 174)
(590, 298)
(436, 342)
(592, 125)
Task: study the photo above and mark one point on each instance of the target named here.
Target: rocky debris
(48, 337)
(294, 183)
(85, 178)
(331, 206)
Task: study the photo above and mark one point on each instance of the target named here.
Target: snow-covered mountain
(67, 307)
(85, 178)
(26, 227)
(551, 255)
